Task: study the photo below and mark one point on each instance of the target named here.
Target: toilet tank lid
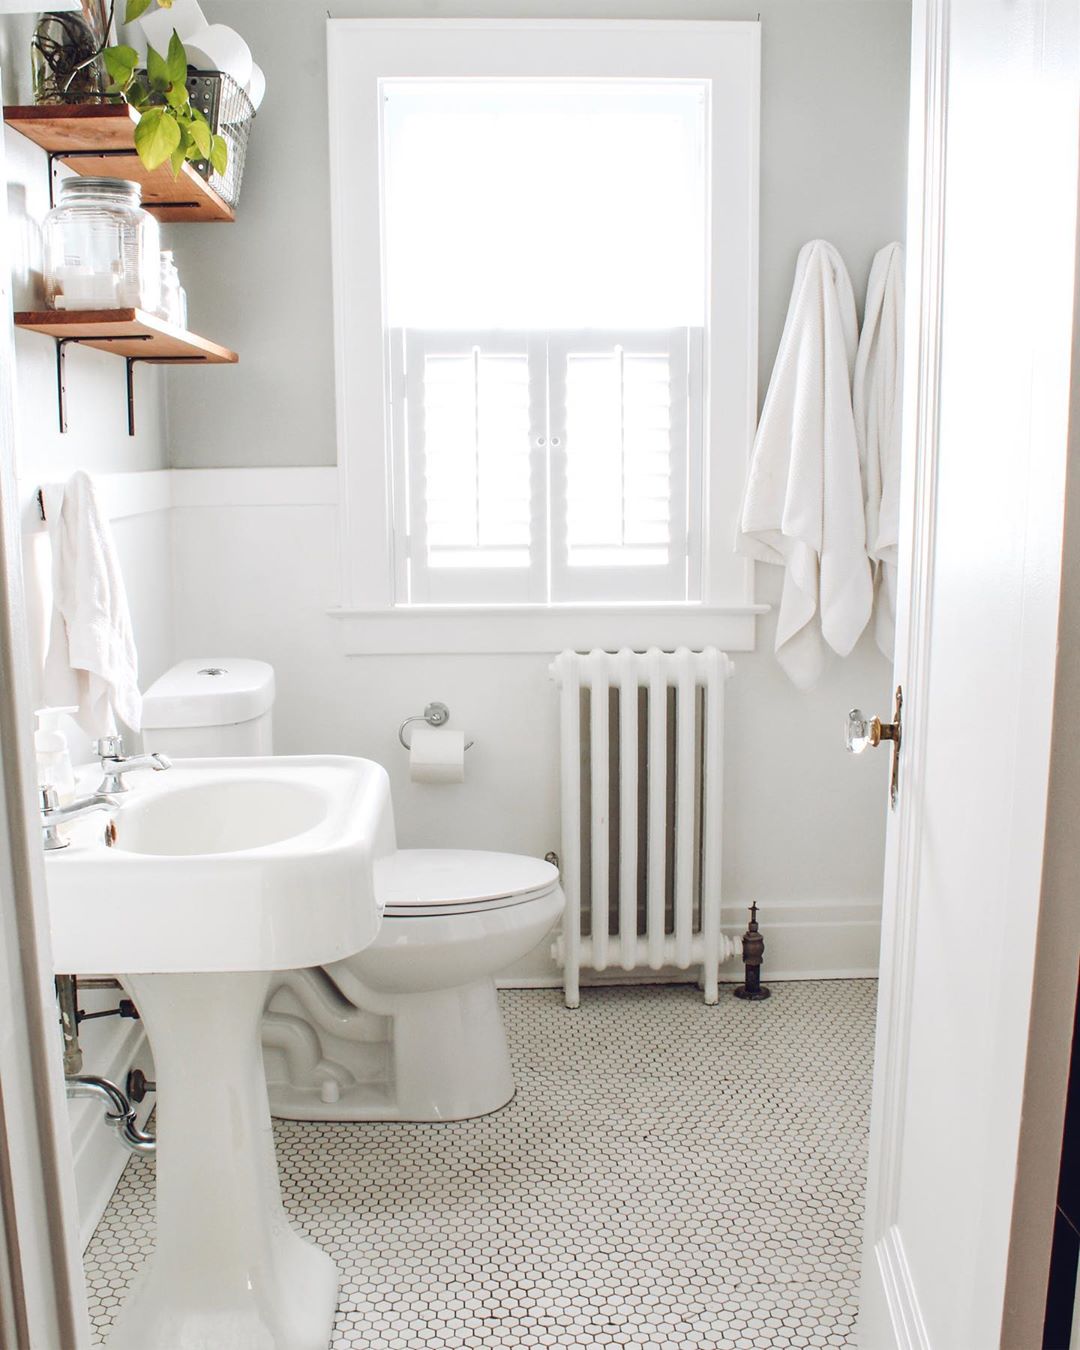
(209, 692)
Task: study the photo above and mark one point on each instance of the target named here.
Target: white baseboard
(804, 940)
(591, 980)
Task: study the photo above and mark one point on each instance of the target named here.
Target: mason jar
(101, 249)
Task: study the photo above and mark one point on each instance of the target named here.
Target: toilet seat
(420, 882)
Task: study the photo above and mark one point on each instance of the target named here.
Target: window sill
(420, 630)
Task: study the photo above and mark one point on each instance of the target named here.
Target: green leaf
(200, 135)
(156, 136)
(176, 61)
(219, 154)
(137, 94)
(120, 62)
(157, 70)
(184, 151)
(135, 9)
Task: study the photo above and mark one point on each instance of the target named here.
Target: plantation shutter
(475, 404)
(623, 458)
(554, 467)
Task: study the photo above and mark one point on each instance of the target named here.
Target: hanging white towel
(803, 508)
(877, 399)
(92, 659)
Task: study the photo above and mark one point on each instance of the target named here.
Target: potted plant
(169, 128)
(74, 63)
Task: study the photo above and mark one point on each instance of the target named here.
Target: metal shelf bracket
(130, 363)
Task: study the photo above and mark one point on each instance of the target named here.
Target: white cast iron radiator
(642, 793)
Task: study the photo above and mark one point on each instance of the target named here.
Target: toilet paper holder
(435, 715)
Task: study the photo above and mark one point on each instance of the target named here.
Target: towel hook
(435, 715)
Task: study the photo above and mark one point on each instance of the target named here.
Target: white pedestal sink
(223, 871)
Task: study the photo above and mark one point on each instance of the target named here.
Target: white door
(991, 244)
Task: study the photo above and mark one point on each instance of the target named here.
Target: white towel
(877, 399)
(92, 659)
(803, 508)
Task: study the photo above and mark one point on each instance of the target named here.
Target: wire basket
(230, 113)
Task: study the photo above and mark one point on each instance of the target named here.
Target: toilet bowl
(408, 1029)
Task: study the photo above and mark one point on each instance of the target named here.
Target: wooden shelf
(126, 332)
(72, 134)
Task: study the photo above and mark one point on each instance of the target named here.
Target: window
(545, 299)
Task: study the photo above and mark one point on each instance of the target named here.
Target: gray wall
(834, 128)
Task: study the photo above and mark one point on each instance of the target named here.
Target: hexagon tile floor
(667, 1175)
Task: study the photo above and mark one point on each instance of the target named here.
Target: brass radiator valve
(753, 950)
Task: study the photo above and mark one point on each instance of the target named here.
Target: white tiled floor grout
(667, 1175)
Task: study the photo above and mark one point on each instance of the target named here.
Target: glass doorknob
(861, 732)
(864, 733)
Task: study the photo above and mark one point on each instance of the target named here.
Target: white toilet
(409, 1029)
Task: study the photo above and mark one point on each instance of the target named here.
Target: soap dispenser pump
(53, 759)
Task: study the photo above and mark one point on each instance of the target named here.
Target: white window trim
(361, 52)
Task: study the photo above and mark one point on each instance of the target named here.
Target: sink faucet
(115, 764)
(53, 815)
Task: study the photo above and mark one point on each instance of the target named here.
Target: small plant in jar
(65, 54)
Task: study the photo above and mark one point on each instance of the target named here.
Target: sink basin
(222, 871)
(223, 865)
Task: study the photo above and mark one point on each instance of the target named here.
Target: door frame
(42, 1292)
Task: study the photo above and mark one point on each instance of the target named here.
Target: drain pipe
(67, 997)
(120, 1113)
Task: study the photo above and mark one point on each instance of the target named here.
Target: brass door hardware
(866, 733)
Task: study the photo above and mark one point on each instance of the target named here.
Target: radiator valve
(753, 949)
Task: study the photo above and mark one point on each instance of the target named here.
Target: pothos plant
(169, 129)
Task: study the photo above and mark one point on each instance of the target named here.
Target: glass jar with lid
(101, 249)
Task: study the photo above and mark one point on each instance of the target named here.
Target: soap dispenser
(53, 760)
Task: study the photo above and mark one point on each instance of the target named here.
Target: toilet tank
(207, 707)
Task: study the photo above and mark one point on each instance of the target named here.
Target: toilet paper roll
(437, 755)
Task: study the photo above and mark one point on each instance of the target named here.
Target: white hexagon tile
(667, 1175)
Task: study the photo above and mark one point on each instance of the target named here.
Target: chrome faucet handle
(53, 814)
(115, 764)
